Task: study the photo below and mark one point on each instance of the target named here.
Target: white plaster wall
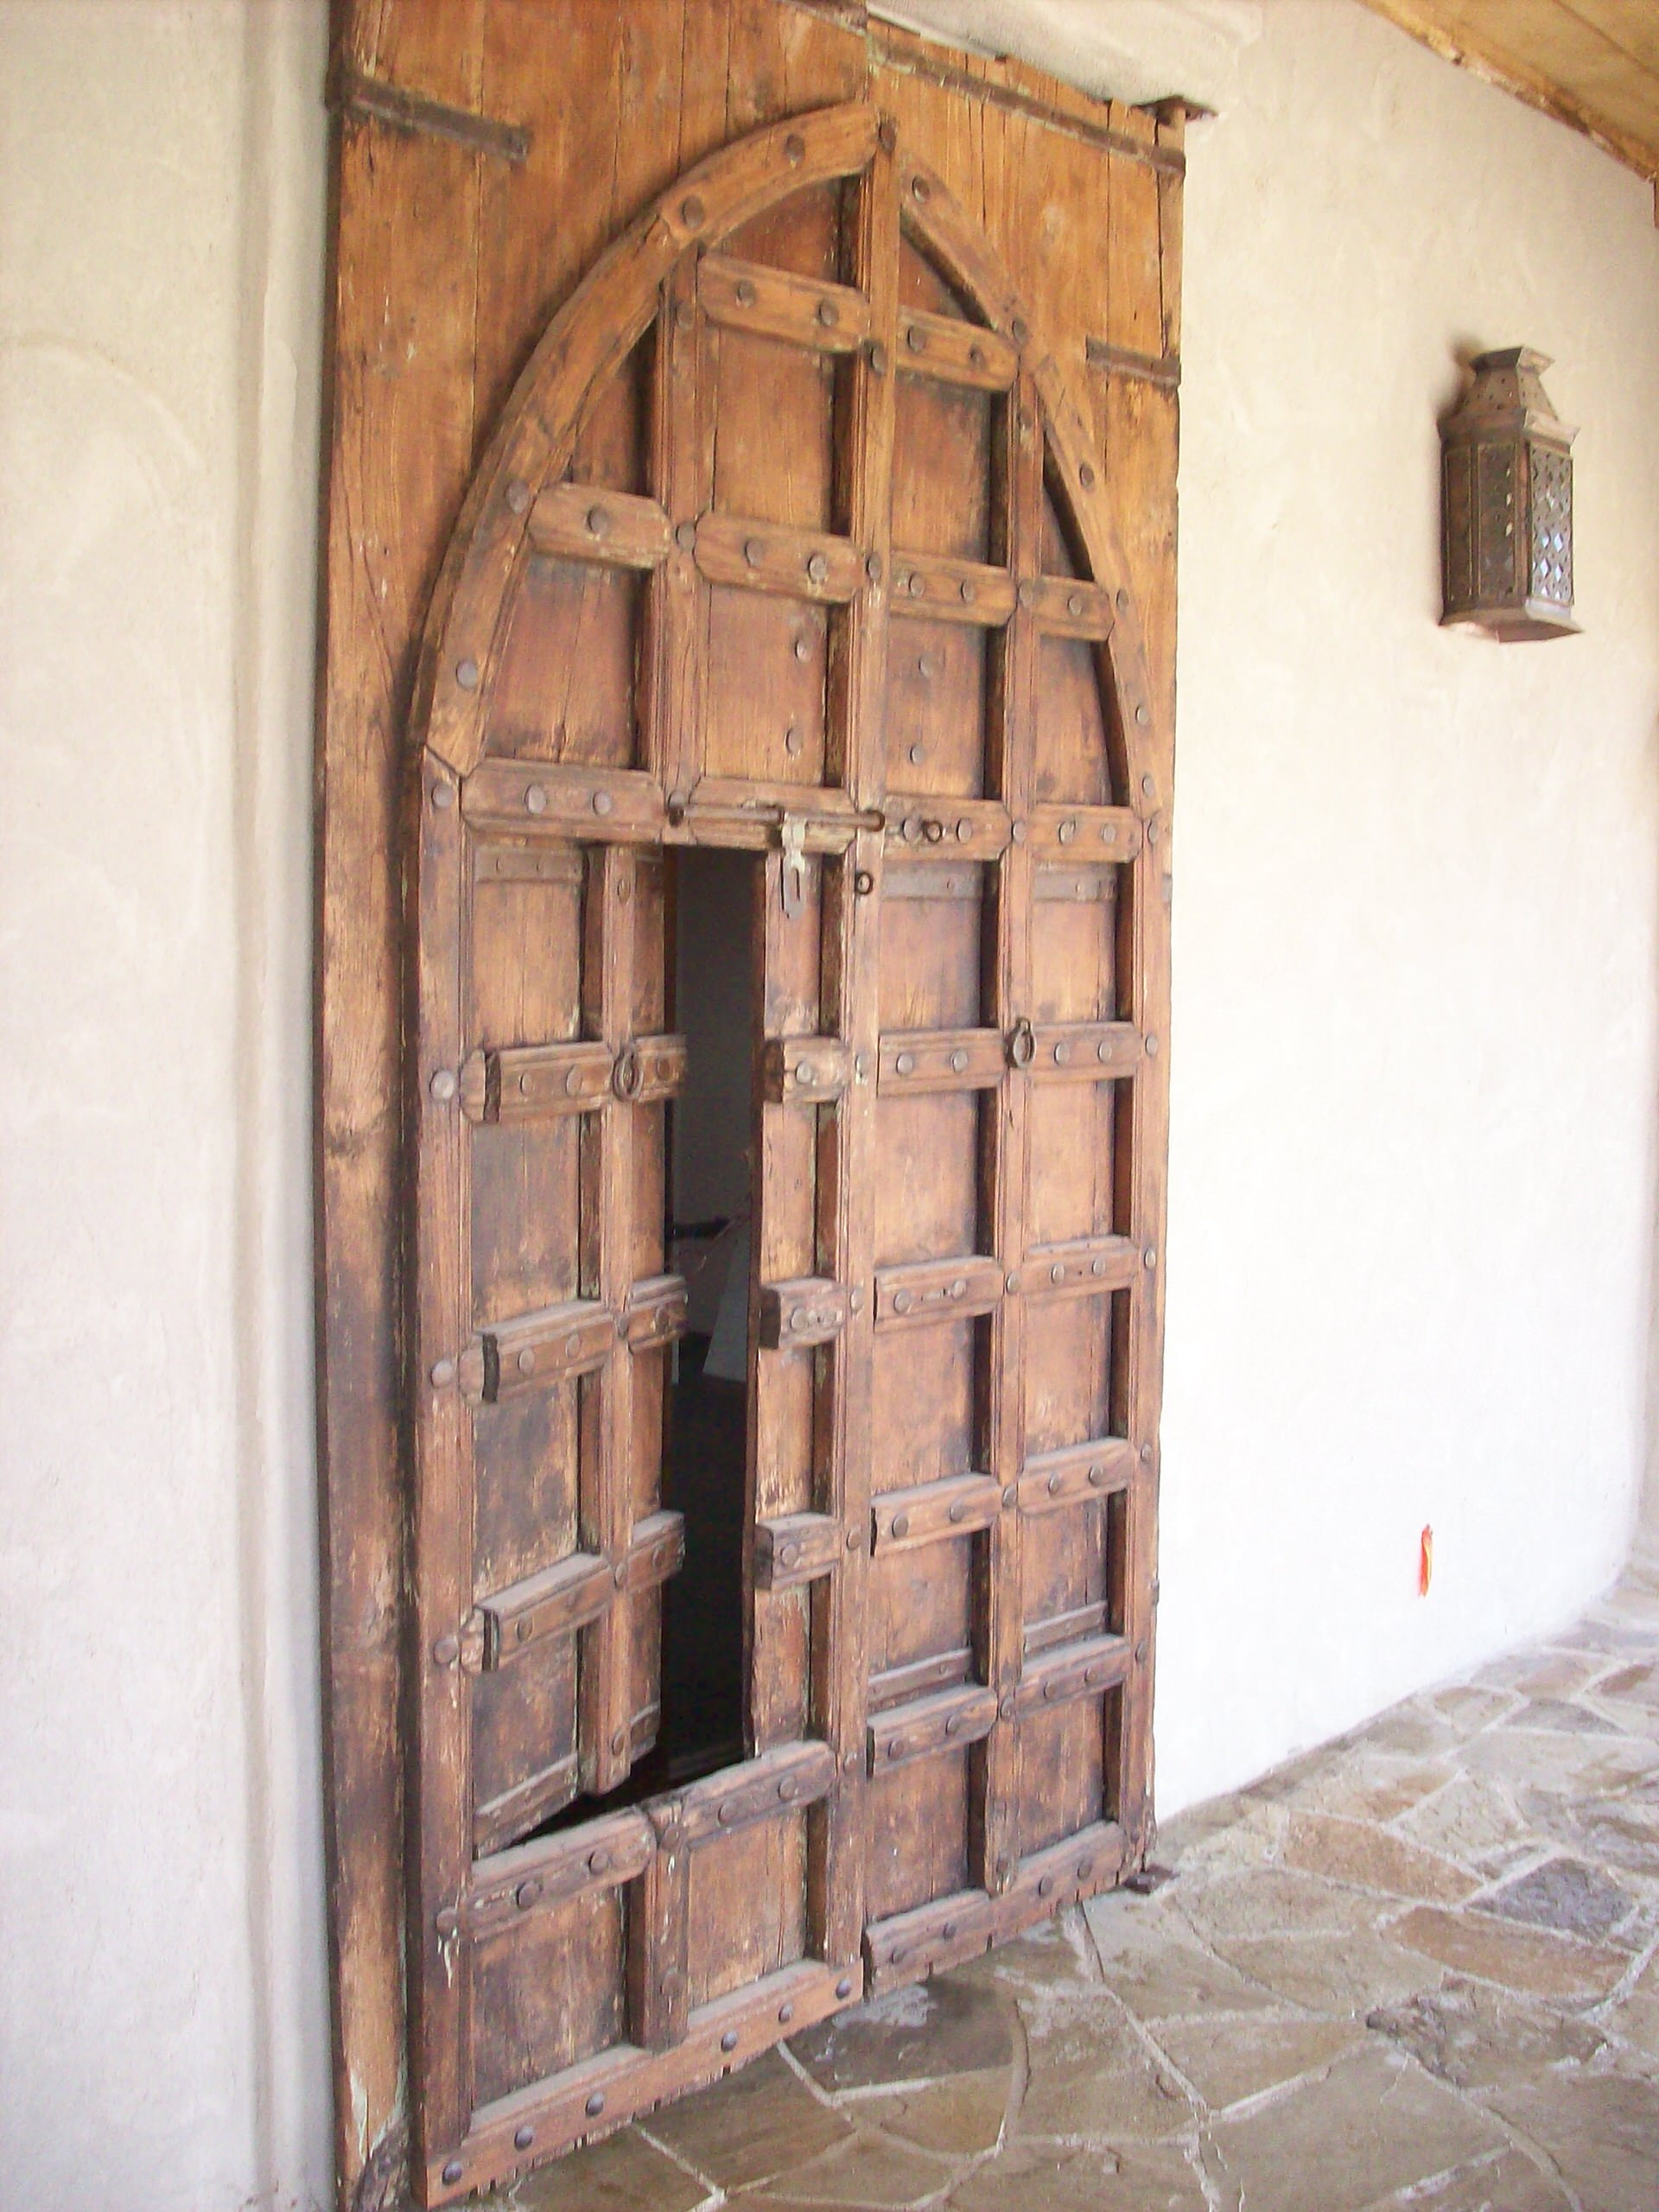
(163, 1998)
(1413, 1053)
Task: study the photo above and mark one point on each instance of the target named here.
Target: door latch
(792, 838)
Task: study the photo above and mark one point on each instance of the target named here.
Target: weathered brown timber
(722, 457)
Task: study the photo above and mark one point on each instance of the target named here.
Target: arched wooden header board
(798, 535)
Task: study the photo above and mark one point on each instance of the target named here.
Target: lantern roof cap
(1508, 399)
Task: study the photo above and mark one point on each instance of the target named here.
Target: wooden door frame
(416, 102)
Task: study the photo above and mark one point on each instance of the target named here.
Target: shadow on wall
(1647, 1528)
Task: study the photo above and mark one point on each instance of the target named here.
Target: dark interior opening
(709, 1162)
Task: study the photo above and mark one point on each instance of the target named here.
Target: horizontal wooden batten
(790, 564)
(579, 522)
(937, 1290)
(951, 828)
(526, 863)
(600, 2093)
(806, 1309)
(1067, 606)
(1077, 1626)
(534, 1351)
(764, 1789)
(795, 1547)
(1083, 834)
(939, 1670)
(905, 879)
(771, 303)
(953, 351)
(528, 1083)
(952, 591)
(1084, 1266)
(913, 1060)
(1084, 1051)
(574, 1590)
(949, 1721)
(497, 1821)
(601, 1853)
(925, 1512)
(594, 805)
(1083, 1864)
(1071, 1671)
(655, 1312)
(1050, 1480)
(804, 1071)
(908, 1945)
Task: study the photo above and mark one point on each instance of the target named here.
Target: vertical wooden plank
(683, 467)
(847, 1223)
(605, 1708)
(658, 1925)
(994, 1839)
(399, 413)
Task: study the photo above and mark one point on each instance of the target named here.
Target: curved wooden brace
(605, 318)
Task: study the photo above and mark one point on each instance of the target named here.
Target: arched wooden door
(789, 540)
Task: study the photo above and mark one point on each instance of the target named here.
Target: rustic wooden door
(789, 540)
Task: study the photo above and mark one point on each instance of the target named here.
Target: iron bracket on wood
(351, 92)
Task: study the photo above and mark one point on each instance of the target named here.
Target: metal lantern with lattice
(1506, 503)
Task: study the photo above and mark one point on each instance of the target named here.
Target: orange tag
(1425, 1561)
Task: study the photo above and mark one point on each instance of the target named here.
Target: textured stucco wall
(1412, 1161)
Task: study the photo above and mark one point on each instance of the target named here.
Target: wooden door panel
(789, 540)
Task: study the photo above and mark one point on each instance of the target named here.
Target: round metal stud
(1103, 1051)
(619, 1576)
(447, 1650)
(1085, 476)
(1056, 1273)
(964, 831)
(863, 882)
(916, 339)
(829, 314)
(959, 1061)
(467, 674)
(1045, 1886)
(789, 1556)
(902, 1301)
(1150, 1255)
(691, 212)
(453, 2171)
(536, 799)
(1021, 332)
(1146, 1455)
(526, 1360)
(527, 1892)
(802, 648)
(603, 802)
(1086, 1868)
(1027, 593)
(792, 740)
(920, 189)
(685, 314)
(786, 2013)
(1011, 1281)
(1062, 1053)
(522, 2138)
(879, 359)
(976, 356)
(1096, 1267)
(916, 756)
(599, 523)
(1123, 602)
(1096, 1476)
(1010, 1494)
(788, 1787)
(1074, 603)
(959, 1287)
(957, 1511)
(676, 813)
(818, 568)
(443, 1085)
(745, 293)
(873, 568)
(1005, 1709)
(1018, 833)
(1152, 1045)
(855, 1539)
(753, 552)
(903, 1064)
(726, 1813)
(969, 592)
(618, 1737)
(1147, 788)
(1054, 1484)
(794, 149)
(518, 494)
(901, 1523)
(595, 2104)
(598, 1862)
(933, 831)
(1141, 1653)
(1141, 713)
(844, 1988)
(953, 1725)
(443, 795)
(918, 585)
(729, 2041)
(443, 1374)
(887, 132)
(522, 1632)
(685, 537)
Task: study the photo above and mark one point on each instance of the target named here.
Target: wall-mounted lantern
(1506, 511)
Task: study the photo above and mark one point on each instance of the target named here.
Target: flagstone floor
(1419, 1967)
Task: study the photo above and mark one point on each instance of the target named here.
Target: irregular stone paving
(1419, 1967)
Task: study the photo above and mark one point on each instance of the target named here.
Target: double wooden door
(789, 540)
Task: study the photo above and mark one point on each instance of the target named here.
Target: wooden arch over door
(751, 428)
(789, 540)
